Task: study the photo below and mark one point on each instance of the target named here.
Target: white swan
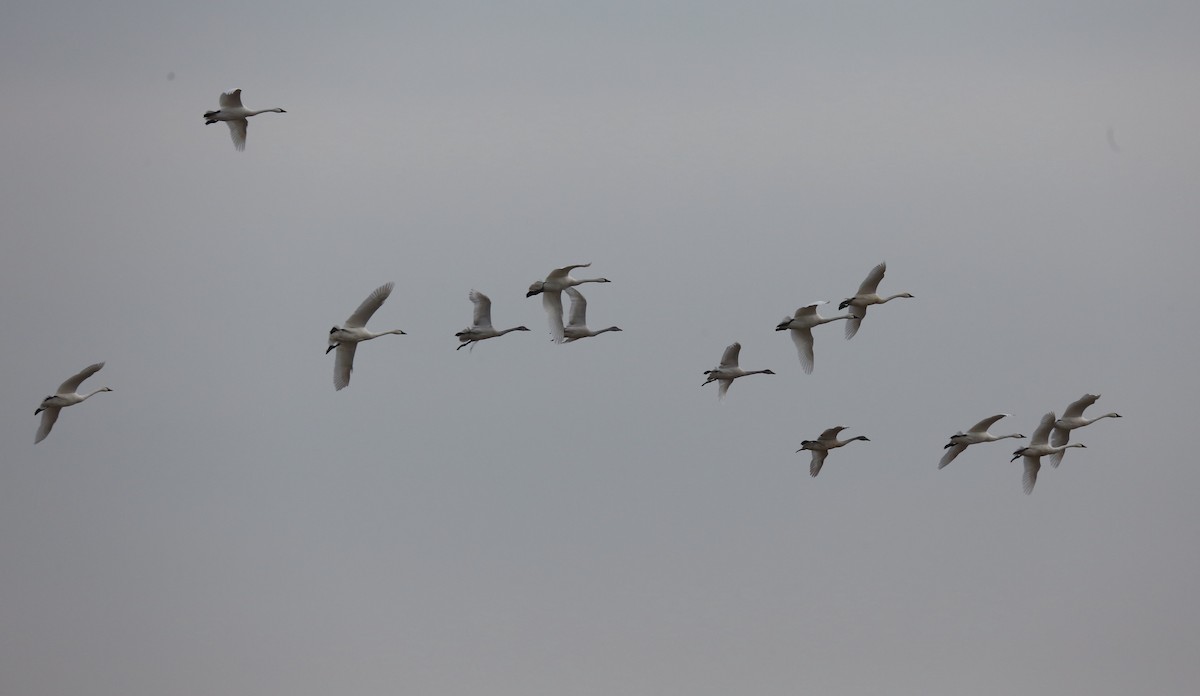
(347, 337)
(234, 114)
(976, 434)
(728, 370)
(551, 291)
(1071, 419)
(481, 324)
(65, 396)
(801, 327)
(865, 297)
(576, 327)
(820, 447)
(1037, 449)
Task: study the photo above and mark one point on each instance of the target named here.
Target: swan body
(66, 395)
(1039, 447)
(551, 291)
(346, 338)
(728, 370)
(576, 327)
(866, 296)
(481, 324)
(234, 114)
(820, 447)
(800, 325)
(978, 433)
(1073, 418)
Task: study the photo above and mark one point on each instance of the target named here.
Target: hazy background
(586, 519)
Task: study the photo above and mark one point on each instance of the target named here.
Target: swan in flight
(347, 337)
(1037, 449)
(820, 447)
(65, 396)
(551, 291)
(728, 370)
(1071, 419)
(233, 113)
(576, 327)
(865, 297)
(481, 325)
(978, 433)
(801, 328)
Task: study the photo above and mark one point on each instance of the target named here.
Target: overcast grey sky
(586, 519)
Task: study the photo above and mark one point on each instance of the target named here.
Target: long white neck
(1063, 448)
(263, 111)
(826, 320)
(515, 328)
(1014, 435)
(892, 297)
(84, 397)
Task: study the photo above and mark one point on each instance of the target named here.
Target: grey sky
(585, 519)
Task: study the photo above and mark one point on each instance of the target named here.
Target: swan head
(279, 111)
(521, 328)
(768, 372)
(613, 328)
(536, 289)
(105, 389)
(905, 294)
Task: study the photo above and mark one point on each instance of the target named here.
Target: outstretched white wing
(803, 339)
(49, 415)
(951, 452)
(72, 385)
(578, 315)
(552, 303)
(368, 307)
(730, 357)
(483, 310)
(342, 365)
(871, 284)
(231, 98)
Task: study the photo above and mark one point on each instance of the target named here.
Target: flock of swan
(1050, 438)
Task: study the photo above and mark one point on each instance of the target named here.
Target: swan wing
(1042, 433)
(342, 365)
(856, 316)
(730, 357)
(818, 458)
(552, 303)
(49, 416)
(1032, 466)
(950, 454)
(565, 271)
(237, 131)
(578, 308)
(724, 387)
(369, 306)
(983, 425)
(804, 346)
(1075, 410)
(871, 284)
(483, 309)
(1058, 436)
(810, 309)
(72, 385)
(831, 433)
(232, 98)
